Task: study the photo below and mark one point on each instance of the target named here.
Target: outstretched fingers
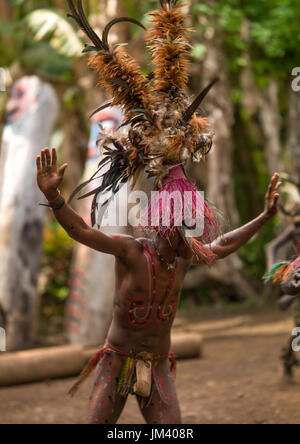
(46, 158)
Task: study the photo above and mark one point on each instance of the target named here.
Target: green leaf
(52, 26)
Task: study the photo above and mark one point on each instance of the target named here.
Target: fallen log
(41, 364)
(187, 345)
(66, 361)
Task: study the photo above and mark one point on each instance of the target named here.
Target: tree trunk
(74, 147)
(34, 109)
(220, 187)
(271, 125)
(293, 143)
(90, 303)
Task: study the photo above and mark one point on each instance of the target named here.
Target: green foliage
(137, 8)
(55, 274)
(46, 62)
(273, 41)
(57, 253)
(231, 19)
(42, 40)
(56, 240)
(253, 254)
(266, 32)
(202, 9)
(52, 26)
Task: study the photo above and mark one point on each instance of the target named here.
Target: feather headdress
(164, 129)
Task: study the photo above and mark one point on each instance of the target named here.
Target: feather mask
(163, 127)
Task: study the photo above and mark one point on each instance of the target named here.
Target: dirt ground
(236, 382)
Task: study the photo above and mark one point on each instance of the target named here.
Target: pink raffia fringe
(195, 208)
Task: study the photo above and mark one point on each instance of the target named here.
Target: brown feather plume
(163, 127)
(170, 48)
(120, 75)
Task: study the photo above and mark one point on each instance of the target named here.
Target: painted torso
(146, 300)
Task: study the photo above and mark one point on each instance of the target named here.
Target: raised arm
(227, 244)
(49, 178)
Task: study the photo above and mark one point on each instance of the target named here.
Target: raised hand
(272, 196)
(48, 177)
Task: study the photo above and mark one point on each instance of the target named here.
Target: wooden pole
(89, 307)
(32, 110)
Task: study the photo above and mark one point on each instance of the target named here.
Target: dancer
(149, 278)
(287, 275)
(163, 134)
(290, 237)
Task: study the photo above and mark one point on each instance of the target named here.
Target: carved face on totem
(24, 95)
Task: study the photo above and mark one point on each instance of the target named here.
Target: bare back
(146, 299)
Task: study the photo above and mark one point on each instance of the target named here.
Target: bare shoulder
(133, 247)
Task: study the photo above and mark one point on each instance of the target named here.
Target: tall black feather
(114, 22)
(100, 108)
(79, 16)
(87, 26)
(197, 102)
(93, 211)
(84, 184)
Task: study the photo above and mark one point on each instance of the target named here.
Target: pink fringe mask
(178, 205)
